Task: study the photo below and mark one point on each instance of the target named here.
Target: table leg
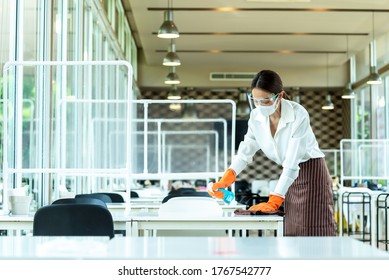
(280, 229)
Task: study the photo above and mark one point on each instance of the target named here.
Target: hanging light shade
(172, 78)
(296, 98)
(328, 105)
(189, 111)
(173, 93)
(348, 92)
(296, 95)
(168, 29)
(171, 58)
(374, 77)
(242, 106)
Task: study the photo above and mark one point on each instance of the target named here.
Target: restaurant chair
(77, 219)
(115, 197)
(134, 194)
(100, 196)
(185, 193)
(80, 200)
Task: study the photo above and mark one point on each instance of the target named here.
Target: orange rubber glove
(228, 179)
(272, 204)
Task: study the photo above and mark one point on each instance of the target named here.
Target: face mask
(268, 110)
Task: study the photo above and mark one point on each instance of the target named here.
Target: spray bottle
(228, 196)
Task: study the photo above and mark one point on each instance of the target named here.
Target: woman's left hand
(273, 204)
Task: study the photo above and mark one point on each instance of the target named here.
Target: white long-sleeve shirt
(293, 143)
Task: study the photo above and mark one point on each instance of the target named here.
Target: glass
(262, 101)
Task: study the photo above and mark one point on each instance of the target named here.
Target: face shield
(256, 102)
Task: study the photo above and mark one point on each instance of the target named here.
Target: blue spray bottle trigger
(228, 196)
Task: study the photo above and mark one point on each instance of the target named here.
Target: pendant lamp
(328, 105)
(173, 93)
(171, 58)
(348, 92)
(172, 78)
(168, 29)
(374, 77)
(242, 106)
(296, 95)
(189, 111)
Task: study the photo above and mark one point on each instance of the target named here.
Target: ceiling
(237, 34)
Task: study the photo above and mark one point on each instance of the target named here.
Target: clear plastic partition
(60, 127)
(364, 160)
(73, 127)
(183, 139)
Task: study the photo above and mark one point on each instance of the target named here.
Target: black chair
(80, 200)
(184, 192)
(100, 196)
(73, 220)
(134, 194)
(115, 197)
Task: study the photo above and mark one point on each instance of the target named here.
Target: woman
(281, 129)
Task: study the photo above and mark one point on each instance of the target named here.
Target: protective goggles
(254, 102)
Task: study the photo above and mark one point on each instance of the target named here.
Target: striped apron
(309, 203)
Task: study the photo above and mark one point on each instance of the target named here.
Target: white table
(150, 222)
(18, 223)
(192, 248)
(120, 208)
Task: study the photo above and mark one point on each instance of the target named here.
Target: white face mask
(268, 110)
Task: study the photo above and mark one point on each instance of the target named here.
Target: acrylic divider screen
(183, 139)
(364, 160)
(67, 126)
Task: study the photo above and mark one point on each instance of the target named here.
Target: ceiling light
(328, 105)
(296, 98)
(168, 29)
(348, 92)
(296, 95)
(173, 93)
(172, 78)
(189, 111)
(171, 58)
(242, 106)
(374, 77)
(175, 107)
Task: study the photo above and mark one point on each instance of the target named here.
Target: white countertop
(195, 248)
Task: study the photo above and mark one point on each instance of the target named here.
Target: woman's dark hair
(267, 80)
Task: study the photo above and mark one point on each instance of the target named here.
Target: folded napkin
(251, 212)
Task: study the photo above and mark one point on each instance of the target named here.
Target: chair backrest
(100, 196)
(134, 194)
(190, 206)
(81, 200)
(115, 197)
(185, 194)
(73, 220)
